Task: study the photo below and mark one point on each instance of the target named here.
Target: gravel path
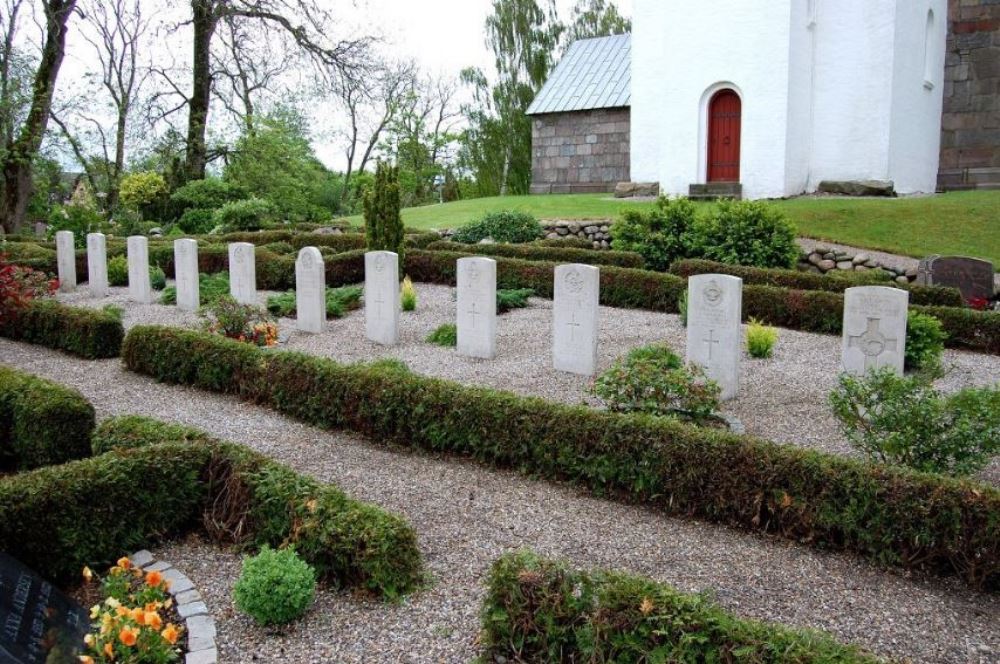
(466, 516)
(783, 398)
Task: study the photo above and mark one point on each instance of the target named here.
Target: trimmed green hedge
(41, 423)
(537, 253)
(806, 310)
(538, 610)
(342, 242)
(893, 515)
(89, 333)
(926, 295)
(89, 512)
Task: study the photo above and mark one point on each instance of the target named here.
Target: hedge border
(90, 511)
(538, 610)
(895, 516)
(534, 252)
(90, 333)
(42, 423)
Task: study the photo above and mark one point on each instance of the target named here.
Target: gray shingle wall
(579, 152)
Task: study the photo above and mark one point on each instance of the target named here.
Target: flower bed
(89, 333)
(894, 516)
(88, 512)
(538, 610)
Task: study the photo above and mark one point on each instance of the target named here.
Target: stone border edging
(199, 625)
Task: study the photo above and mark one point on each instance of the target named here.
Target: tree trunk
(114, 182)
(205, 21)
(21, 153)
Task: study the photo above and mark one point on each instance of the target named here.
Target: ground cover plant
(513, 298)
(444, 335)
(211, 288)
(338, 302)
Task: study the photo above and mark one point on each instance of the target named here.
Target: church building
(758, 98)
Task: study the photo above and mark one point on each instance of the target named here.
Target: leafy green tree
(383, 223)
(596, 18)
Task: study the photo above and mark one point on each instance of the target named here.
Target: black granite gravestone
(38, 623)
(972, 276)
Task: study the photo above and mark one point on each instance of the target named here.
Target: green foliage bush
(925, 339)
(250, 214)
(567, 242)
(211, 288)
(539, 610)
(127, 432)
(760, 339)
(41, 423)
(342, 242)
(795, 279)
(661, 234)
(208, 194)
(142, 189)
(280, 248)
(905, 421)
(157, 278)
(338, 302)
(275, 586)
(893, 515)
(407, 295)
(90, 333)
(653, 380)
(444, 335)
(504, 226)
(80, 219)
(197, 220)
(383, 223)
(545, 253)
(512, 298)
(747, 233)
(118, 271)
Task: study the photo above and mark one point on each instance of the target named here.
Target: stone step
(714, 191)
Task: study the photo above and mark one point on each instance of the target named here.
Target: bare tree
(22, 147)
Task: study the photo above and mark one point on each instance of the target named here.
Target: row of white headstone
(874, 324)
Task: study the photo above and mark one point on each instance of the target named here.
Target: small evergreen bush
(653, 379)
(118, 271)
(157, 278)
(250, 214)
(444, 335)
(904, 421)
(211, 288)
(408, 296)
(513, 298)
(661, 234)
(383, 223)
(275, 587)
(925, 339)
(504, 226)
(196, 220)
(338, 302)
(747, 233)
(760, 339)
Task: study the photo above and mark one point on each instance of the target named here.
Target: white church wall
(798, 144)
(680, 51)
(918, 73)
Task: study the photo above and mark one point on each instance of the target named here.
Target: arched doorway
(724, 117)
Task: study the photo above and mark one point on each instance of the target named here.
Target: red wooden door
(724, 137)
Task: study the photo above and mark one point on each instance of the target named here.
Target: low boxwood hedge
(893, 515)
(538, 610)
(89, 512)
(341, 242)
(41, 423)
(538, 253)
(927, 295)
(89, 333)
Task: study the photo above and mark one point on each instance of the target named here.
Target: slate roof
(594, 73)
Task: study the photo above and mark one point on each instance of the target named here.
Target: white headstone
(714, 339)
(874, 328)
(66, 260)
(243, 273)
(382, 297)
(139, 288)
(310, 290)
(576, 297)
(186, 277)
(97, 264)
(477, 307)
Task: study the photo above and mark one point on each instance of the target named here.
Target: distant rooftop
(594, 73)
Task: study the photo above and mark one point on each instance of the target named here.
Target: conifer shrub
(512, 298)
(509, 226)
(444, 335)
(118, 271)
(761, 339)
(750, 233)
(408, 295)
(275, 586)
(662, 233)
(383, 222)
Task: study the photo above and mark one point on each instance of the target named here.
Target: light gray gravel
(466, 516)
(781, 399)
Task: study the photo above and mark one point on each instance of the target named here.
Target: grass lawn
(959, 223)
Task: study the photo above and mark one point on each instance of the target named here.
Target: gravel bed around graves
(783, 398)
(466, 516)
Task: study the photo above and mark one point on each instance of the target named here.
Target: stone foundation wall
(970, 126)
(580, 151)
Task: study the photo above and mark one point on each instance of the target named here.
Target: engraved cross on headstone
(711, 341)
(572, 327)
(378, 309)
(472, 312)
(872, 343)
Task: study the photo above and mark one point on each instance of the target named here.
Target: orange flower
(138, 615)
(128, 636)
(646, 607)
(152, 620)
(86, 659)
(121, 610)
(153, 579)
(170, 634)
(109, 652)
(124, 562)
(152, 606)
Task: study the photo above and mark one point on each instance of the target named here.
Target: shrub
(41, 423)
(760, 339)
(142, 189)
(275, 587)
(747, 233)
(566, 242)
(80, 219)
(505, 226)
(197, 220)
(905, 421)
(211, 288)
(682, 308)
(338, 302)
(444, 335)
(18, 287)
(250, 214)
(157, 278)
(546, 253)
(653, 379)
(538, 610)
(343, 242)
(512, 298)
(208, 194)
(278, 248)
(118, 271)
(383, 223)
(925, 339)
(408, 295)
(661, 234)
(128, 432)
(89, 333)
(243, 322)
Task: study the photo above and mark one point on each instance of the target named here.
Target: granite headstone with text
(139, 287)
(382, 297)
(575, 320)
(186, 277)
(310, 291)
(973, 277)
(243, 273)
(97, 264)
(477, 307)
(874, 328)
(66, 260)
(714, 339)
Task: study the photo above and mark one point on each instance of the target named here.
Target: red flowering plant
(979, 303)
(19, 285)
